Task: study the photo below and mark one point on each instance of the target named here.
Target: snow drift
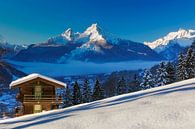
(167, 107)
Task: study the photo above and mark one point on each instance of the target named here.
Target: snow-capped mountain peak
(95, 33)
(181, 33)
(94, 44)
(173, 43)
(68, 34)
(182, 37)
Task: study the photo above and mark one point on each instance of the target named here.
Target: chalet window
(37, 108)
(38, 91)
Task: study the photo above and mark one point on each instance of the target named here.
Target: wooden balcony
(43, 98)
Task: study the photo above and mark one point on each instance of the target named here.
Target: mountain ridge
(8, 50)
(93, 45)
(173, 42)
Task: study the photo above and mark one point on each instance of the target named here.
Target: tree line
(170, 72)
(165, 73)
(84, 95)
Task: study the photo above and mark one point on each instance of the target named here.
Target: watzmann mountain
(93, 45)
(97, 45)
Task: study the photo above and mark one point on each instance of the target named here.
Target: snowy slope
(166, 107)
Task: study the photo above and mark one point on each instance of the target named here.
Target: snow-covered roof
(34, 76)
(165, 107)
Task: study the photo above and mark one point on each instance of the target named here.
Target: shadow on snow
(53, 116)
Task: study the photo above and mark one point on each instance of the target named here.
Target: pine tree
(122, 86)
(110, 85)
(193, 58)
(189, 64)
(98, 92)
(67, 98)
(2, 52)
(86, 92)
(77, 96)
(171, 73)
(161, 75)
(147, 81)
(193, 46)
(134, 85)
(181, 70)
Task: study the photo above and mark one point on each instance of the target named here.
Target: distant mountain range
(99, 46)
(8, 50)
(173, 43)
(7, 74)
(93, 45)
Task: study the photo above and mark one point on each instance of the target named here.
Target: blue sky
(32, 21)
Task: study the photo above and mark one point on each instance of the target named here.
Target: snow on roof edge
(34, 76)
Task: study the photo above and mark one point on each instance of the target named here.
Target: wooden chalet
(37, 93)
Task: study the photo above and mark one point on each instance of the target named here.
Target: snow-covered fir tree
(98, 92)
(110, 85)
(77, 96)
(121, 87)
(161, 75)
(147, 80)
(193, 58)
(67, 97)
(134, 85)
(171, 73)
(181, 69)
(86, 92)
(193, 46)
(189, 64)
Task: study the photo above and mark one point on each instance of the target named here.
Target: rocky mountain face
(173, 43)
(97, 45)
(7, 74)
(8, 96)
(8, 50)
(93, 45)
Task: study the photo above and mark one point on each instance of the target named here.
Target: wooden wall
(27, 88)
(29, 107)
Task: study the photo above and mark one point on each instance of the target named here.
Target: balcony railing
(42, 98)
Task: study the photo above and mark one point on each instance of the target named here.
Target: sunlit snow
(166, 107)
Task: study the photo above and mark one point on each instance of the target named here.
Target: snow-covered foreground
(79, 68)
(166, 107)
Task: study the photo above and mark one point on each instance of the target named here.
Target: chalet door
(37, 108)
(38, 91)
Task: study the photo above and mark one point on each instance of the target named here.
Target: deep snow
(166, 107)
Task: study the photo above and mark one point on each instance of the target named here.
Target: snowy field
(166, 107)
(79, 68)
